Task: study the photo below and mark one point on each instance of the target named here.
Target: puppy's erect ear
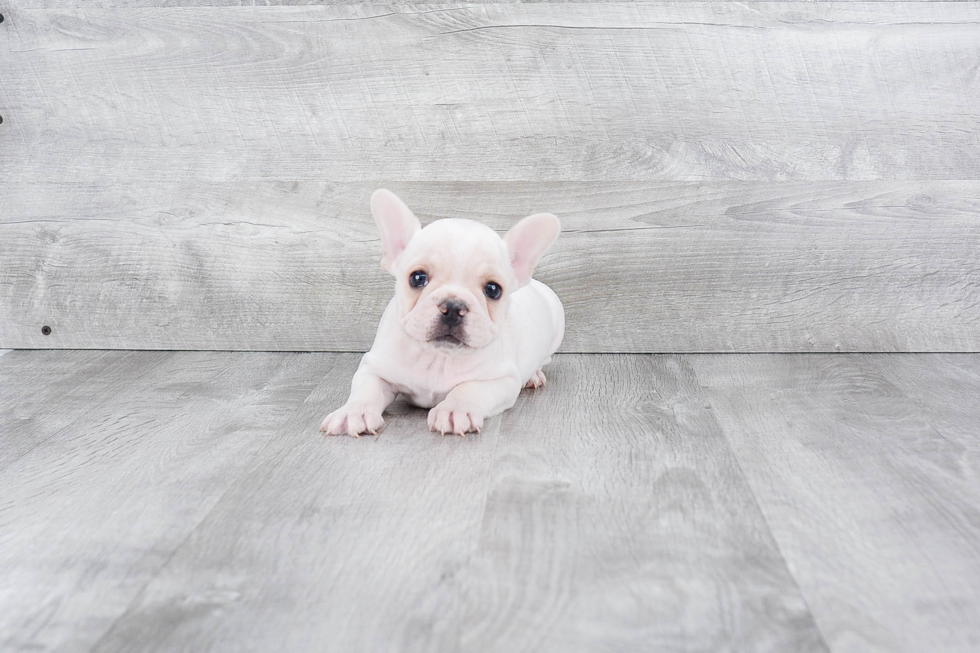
(528, 240)
(396, 223)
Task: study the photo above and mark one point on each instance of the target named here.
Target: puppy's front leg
(466, 405)
(369, 396)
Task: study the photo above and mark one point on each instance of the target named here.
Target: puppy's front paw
(448, 418)
(353, 420)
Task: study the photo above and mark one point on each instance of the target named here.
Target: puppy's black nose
(453, 311)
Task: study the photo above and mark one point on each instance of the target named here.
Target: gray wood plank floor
(185, 501)
(873, 494)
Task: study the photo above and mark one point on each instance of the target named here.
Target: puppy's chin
(448, 342)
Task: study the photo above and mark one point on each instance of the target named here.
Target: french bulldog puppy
(468, 327)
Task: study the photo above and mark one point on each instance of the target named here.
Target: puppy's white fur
(448, 345)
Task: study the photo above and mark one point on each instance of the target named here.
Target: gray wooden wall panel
(732, 177)
(754, 91)
(725, 266)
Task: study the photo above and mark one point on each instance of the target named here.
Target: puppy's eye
(492, 290)
(418, 279)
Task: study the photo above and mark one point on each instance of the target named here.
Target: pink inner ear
(523, 265)
(528, 241)
(399, 242)
(395, 221)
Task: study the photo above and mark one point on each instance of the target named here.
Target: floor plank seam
(765, 519)
(861, 469)
(246, 469)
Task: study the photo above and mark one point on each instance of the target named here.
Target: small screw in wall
(1, 18)
(46, 330)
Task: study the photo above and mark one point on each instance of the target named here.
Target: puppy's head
(455, 278)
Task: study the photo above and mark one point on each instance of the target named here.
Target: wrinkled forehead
(460, 244)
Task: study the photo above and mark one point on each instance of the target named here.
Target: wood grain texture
(45, 392)
(553, 530)
(943, 392)
(677, 502)
(618, 520)
(327, 543)
(90, 514)
(195, 177)
(401, 4)
(871, 491)
(640, 266)
(596, 91)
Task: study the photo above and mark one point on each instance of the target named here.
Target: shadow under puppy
(468, 327)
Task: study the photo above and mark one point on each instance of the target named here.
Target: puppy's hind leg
(536, 381)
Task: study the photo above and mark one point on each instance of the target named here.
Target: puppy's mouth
(448, 341)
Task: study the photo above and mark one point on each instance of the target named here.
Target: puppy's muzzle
(453, 311)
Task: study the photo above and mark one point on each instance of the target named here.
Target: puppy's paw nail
(450, 421)
(352, 421)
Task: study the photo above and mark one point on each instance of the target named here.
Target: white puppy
(467, 327)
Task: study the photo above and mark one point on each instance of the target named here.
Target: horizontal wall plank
(640, 266)
(595, 91)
